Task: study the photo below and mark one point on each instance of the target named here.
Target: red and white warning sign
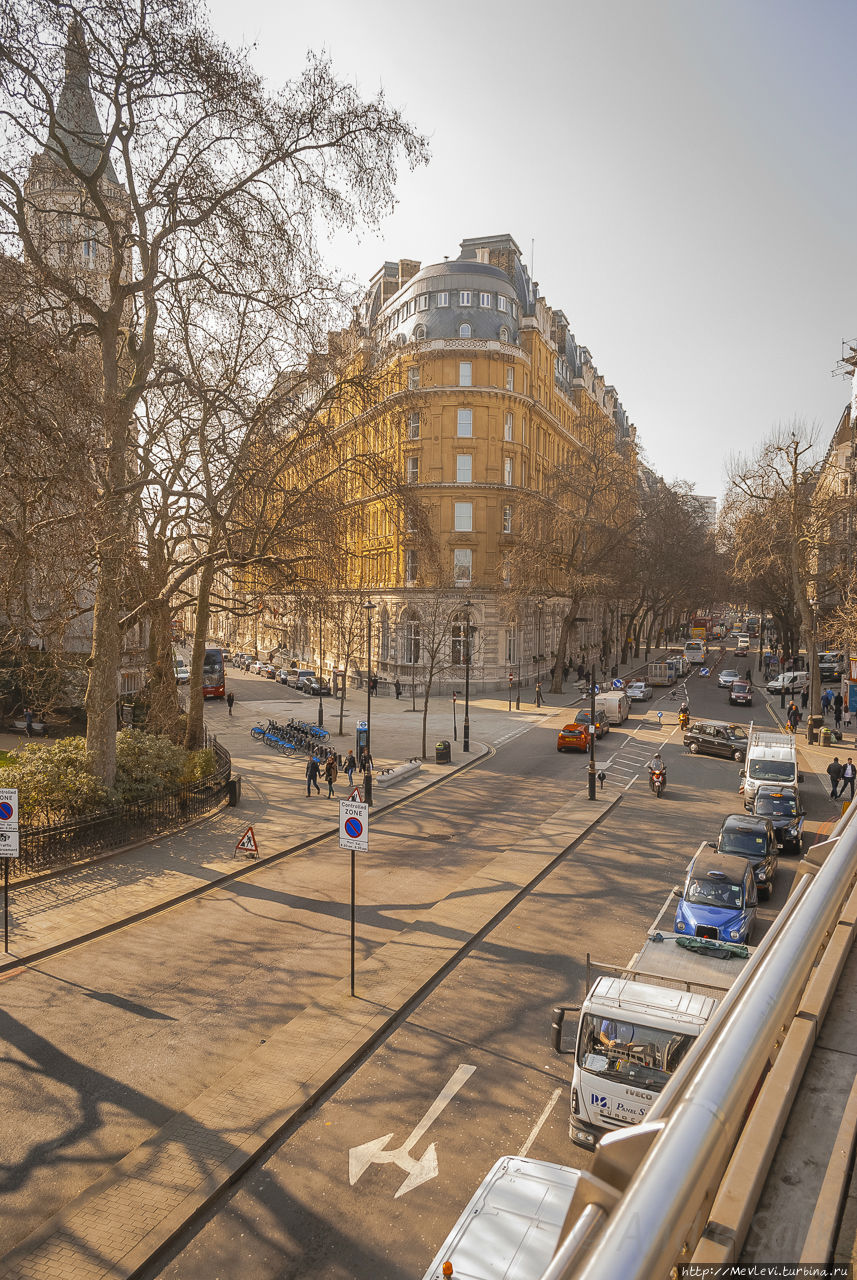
(247, 843)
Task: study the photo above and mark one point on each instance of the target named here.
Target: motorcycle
(683, 719)
(658, 781)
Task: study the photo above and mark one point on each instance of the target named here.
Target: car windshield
(772, 770)
(646, 1057)
(740, 686)
(741, 840)
(776, 804)
(729, 675)
(714, 893)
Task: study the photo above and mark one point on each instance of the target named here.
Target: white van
(615, 704)
(771, 758)
(695, 652)
(512, 1225)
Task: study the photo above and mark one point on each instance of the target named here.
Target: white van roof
(512, 1225)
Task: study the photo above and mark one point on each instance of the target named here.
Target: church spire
(77, 123)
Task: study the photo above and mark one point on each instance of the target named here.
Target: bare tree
(213, 174)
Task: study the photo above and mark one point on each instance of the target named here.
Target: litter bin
(824, 736)
(813, 727)
(233, 790)
(442, 752)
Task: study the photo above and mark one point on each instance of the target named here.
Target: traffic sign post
(9, 847)
(354, 835)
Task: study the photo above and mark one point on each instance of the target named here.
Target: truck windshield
(643, 1056)
(772, 770)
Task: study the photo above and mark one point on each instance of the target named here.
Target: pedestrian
(792, 717)
(581, 671)
(849, 774)
(846, 717)
(539, 698)
(804, 697)
(366, 761)
(373, 684)
(331, 772)
(838, 703)
(28, 721)
(834, 772)
(312, 775)
(230, 701)
(565, 671)
(826, 699)
(349, 766)
(398, 688)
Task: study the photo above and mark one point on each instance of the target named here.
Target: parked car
(719, 898)
(182, 672)
(573, 737)
(602, 724)
(742, 643)
(269, 671)
(239, 659)
(283, 675)
(639, 691)
(297, 674)
(740, 694)
(783, 808)
(255, 667)
(315, 687)
(752, 838)
(725, 678)
(716, 738)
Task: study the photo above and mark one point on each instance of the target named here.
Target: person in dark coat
(804, 697)
(838, 703)
(230, 701)
(331, 772)
(312, 775)
(398, 688)
(793, 717)
(834, 773)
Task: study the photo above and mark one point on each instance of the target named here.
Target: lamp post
(761, 637)
(465, 746)
(813, 668)
(591, 778)
(540, 604)
(320, 661)
(367, 773)
(454, 721)
(518, 694)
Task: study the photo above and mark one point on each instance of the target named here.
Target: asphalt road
(474, 1058)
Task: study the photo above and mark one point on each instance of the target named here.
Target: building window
(413, 378)
(465, 422)
(510, 377)
(464, 468)
(514, 310)
(465, 298)
(523, 431)
(508, 426)
(485, 299)
(504, 334)
(512, 644)
(507, 471)
(90, 250)
(465, 374)
(458, 651)
(507, 519)
(502, 303)
(410, 565)
(419, 331)
(412, 642)
(413, 472)
(524, 472)
(422, 302)
(462, 566)
(464, 517)
(465, 331)
(443, 299)
(413, 426)
(412, 306)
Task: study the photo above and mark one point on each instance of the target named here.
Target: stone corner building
(492, 386)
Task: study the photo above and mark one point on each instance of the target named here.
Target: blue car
(719, 899)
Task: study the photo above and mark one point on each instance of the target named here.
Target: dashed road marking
(534, 1132)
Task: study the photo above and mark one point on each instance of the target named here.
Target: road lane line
(534, 1133)
(669, 900)
(631, 783)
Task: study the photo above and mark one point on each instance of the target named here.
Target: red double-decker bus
(213, 674)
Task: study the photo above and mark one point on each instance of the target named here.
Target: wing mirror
(712, 845)
(677, 891)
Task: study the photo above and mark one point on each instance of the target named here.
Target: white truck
(771, 757)
(615, 704)
(636, 1025)
(511, 1226)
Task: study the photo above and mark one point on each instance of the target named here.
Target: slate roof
(77, 124)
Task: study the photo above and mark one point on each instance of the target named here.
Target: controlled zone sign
(354, 825)
(8, 807)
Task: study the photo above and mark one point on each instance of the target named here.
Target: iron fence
(57, 844)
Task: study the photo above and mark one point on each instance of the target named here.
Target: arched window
(504, 334)
(420, 332)
(411, 624)
(465, 331)
(385, 635)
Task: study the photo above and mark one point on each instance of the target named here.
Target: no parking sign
(354, 825)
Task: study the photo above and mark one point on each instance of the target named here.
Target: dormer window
(502, 303)
(504, 334)
(465, 331)
(485, 299)
(465, 298)
(422, 302)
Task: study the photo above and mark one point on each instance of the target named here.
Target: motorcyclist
(656, 765)
(684, 715)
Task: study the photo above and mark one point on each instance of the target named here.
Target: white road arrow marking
(418, 1171)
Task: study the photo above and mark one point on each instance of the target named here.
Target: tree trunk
(164, 709)
(562, 647)
(195, 729)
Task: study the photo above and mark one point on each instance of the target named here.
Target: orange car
(573, 737)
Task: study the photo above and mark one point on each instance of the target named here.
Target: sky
(680, 173)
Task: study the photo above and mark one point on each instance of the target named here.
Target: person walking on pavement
(792, 717)
(366, 761)
(398, 688)
(331, 773)
(826, 699)
(230, 701)
(849, 774)
(349, 767)
(539, 698)
(373, 685)
(834, 772)
(838, 703)
(312, 775)
(804, 697)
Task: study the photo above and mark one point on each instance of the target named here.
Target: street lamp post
(367, 774)
(813, 668)
(465, 746)
(454, 721)
(540, 604)
(591, 778)
(518, 694)
(320, 661)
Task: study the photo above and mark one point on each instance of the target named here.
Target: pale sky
(685, 171)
